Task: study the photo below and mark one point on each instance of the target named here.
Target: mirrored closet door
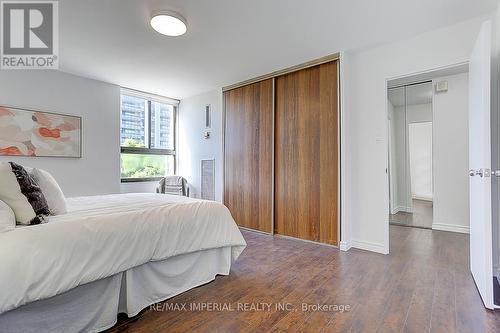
(410, 155)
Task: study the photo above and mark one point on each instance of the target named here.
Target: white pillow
(51, 191)
(7, 217)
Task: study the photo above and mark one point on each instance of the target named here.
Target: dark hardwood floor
(420, 218)
(424, 285)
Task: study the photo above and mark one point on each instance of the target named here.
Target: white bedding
(104, 235)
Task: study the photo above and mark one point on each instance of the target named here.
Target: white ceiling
(233, 40)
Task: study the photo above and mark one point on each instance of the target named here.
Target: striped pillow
(20, 191)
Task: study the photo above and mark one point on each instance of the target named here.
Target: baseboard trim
(368, 246)
(345, 245)
(423, 198)
(450, 227)
(401, 209)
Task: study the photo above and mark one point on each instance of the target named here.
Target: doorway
(410, 155)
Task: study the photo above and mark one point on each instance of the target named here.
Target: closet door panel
(248, 182)
(306, 154)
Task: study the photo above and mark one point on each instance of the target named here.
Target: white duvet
(103, 235)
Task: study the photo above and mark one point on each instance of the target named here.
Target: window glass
(162, 126)
(146, 166)
(133, 122)
(146, 137)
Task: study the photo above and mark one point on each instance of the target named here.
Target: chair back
(175, 185)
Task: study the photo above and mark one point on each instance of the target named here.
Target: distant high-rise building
(134, 122)
(133, 119)
(161, 125)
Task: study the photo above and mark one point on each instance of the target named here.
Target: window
(147, 136)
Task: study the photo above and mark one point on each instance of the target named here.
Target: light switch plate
(442, 86)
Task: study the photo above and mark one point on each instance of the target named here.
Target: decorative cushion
(21, 193)
(51, 190)
(7, 217)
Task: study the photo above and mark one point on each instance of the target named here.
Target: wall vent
(208, 179)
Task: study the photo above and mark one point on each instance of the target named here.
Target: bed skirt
(94, 307)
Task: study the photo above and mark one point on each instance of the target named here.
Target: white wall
(420, 151)
(138, 187)
(366, 128)
(451, 155)
(418, 113)
(193, 147)
(98, 171)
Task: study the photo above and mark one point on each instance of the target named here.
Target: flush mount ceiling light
(168, 23)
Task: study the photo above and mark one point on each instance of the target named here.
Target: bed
(111, 254)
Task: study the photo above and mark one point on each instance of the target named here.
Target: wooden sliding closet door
(248, 182)
(306, 150)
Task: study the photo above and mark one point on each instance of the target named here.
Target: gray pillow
(20, 191)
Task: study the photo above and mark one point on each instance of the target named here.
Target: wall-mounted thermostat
(442, 86)
(208, 121)
(208, 116)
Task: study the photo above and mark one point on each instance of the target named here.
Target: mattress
(101, 236)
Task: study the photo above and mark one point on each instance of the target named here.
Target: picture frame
(34, 133)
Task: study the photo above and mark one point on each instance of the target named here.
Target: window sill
(140, 180)
(146, 151)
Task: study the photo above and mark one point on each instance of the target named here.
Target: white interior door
(481, 261)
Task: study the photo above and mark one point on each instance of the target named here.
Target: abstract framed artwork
(39, 134)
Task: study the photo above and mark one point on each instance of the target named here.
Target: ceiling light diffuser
(168, 23)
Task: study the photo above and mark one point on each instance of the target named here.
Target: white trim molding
(146, 95)
(344, 245)
(369, 246)
(451, 227)
(344, 225)
(403, 209)
(416, 197)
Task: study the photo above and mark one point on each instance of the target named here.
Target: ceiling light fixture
(168, 23)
